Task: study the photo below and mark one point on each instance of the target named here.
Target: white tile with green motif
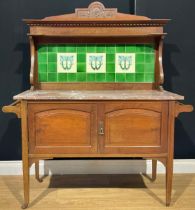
(125, 63)
(95, 62)
(66, 62)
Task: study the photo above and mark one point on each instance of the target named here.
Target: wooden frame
(97, 24)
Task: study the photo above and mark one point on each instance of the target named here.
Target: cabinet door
(134, 127)
(62, 128)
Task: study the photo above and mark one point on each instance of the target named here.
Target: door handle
(101, 128)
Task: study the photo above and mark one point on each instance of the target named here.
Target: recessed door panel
(62, 128)
(66, 128)
(134, 127)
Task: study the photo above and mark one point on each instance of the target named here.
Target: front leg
(169, 178)
(25, 158)
(26, 182)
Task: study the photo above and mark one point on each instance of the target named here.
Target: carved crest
(96, 10)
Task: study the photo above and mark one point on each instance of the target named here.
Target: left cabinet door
(62, 128)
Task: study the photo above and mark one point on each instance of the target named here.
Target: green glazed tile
(62, 77)
(52, 77)
(110, 67)
(81, 58)
(100, 48)
(42, 77)
(81, 77)
(72, 77)
(149, 67)
(81, 67)
(149, 48)
(42, 57)
(110, 49)
(139, 68)
(110, 58)
(61, 48)
(130, 48)
(42, 48)
(149, 58)
(140, 48)
(52, 67)
(140, 58)
(120, 77)
(149, 77)
(71, 48)
(52, 57)
(90, 77)
(81, 48)
(52, 48)
(110, 77)
(139, 77)
(91, 48)
(120, 48)
(130, 77)
(42, 67)
(100, 77)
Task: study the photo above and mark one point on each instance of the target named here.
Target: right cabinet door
(134, 127)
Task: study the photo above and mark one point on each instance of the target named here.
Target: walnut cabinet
(97, 128)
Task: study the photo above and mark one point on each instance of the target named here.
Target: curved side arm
(32, 53)
(13, 108)
(161, 72)
(179, 108)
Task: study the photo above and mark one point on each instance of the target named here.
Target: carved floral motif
(96, 10)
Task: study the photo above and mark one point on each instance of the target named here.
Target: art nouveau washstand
(96, 91)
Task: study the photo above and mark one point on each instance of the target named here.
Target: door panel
(62, 128)
(134, 127)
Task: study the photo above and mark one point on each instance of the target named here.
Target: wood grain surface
(98, 192)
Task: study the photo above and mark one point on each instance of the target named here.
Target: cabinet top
(97, 95)
(97, 15)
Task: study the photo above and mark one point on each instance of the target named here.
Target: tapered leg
(26, 182)
(154, 167)
(25, 158)
(169, 178)
(169, 160)
(37, 172)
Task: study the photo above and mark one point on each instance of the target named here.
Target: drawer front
(62, 128)
(135, 127)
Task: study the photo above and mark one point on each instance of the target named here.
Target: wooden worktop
(97, 95)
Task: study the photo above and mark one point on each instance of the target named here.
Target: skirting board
(96, 167)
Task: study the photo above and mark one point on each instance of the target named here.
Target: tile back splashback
(96, 63)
